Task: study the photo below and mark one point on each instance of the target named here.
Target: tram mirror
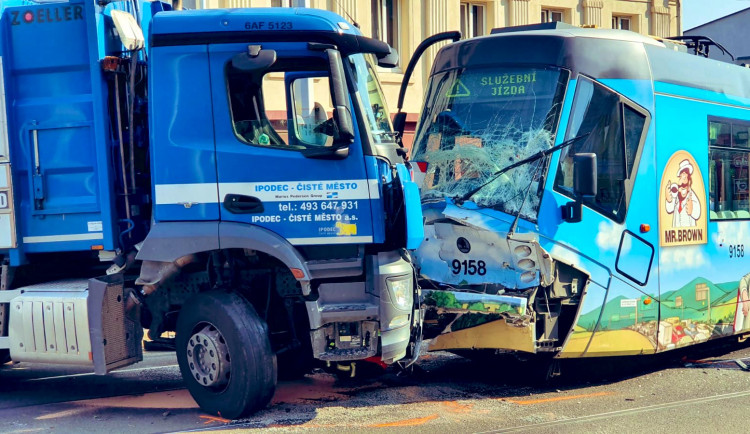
(584, 175)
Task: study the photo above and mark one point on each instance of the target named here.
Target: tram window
(729, 184)
(601, 113)
(720, 134)
(634, 123)
(740, 135)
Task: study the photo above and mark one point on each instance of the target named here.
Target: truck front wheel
(224, 354)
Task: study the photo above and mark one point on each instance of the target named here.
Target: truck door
(274, 148)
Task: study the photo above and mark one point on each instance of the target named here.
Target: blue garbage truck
(233, 177)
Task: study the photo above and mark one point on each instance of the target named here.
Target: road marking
(407, 422)
(111, 373)
(626, 412)
(63, 413)
(173, 399)
(556, 399)
(455, 407)
(212, 419)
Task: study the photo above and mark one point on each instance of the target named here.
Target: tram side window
(729, 192)
(615, 131)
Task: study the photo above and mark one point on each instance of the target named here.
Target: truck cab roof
(259, 25)
(228, 20)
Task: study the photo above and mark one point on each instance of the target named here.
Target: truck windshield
(373, 101)
(480, 120)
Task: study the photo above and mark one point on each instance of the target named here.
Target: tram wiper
(461, 199)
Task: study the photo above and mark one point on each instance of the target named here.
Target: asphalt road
(689, 391)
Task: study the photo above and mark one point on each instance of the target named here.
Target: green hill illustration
(689, 302)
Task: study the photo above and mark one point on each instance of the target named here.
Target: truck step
(345, 354)
(343, 312)
(335, 268)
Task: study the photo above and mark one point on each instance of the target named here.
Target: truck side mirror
(399, 123)
(342, 114)
(584, 186)
(255, 60)
(390, 60)
(584, 175)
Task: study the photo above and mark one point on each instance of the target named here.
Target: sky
(697, 12)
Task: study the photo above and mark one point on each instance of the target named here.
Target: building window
(621, 23)
(551, 16)
(472, 20)
(729, 194)
(281, 3)
(385, 21)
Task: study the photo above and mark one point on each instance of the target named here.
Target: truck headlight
(401, 291)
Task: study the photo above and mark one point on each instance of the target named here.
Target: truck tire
(295, 364)
(224, 354)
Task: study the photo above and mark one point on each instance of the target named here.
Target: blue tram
(586, 193)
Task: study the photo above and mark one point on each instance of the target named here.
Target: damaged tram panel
(485, 289)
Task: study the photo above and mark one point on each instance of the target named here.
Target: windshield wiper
(461, 199)
(391, 134)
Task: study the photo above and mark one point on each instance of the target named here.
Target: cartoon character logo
(682, 216)
(682, 202)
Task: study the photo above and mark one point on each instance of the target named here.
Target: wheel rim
(208, 357)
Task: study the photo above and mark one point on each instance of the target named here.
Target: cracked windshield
(479, 121)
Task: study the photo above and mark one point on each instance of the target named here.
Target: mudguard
(169, 241)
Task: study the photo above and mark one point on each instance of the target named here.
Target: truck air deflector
(412, 208)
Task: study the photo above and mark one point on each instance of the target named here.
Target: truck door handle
(241, 204)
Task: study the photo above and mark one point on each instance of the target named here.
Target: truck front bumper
(356, 320)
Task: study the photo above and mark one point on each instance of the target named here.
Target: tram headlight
(528, 276)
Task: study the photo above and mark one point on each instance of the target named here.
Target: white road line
(111, 373)
(626, 412)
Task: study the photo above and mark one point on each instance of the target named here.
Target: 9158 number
(736, 250)
(471, 267)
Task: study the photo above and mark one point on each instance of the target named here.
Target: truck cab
(239, 183)
(318, 185)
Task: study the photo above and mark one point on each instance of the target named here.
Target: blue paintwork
(235, 20)
(414, 227)
(59, 92)
(376, 169)
(182, 130)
